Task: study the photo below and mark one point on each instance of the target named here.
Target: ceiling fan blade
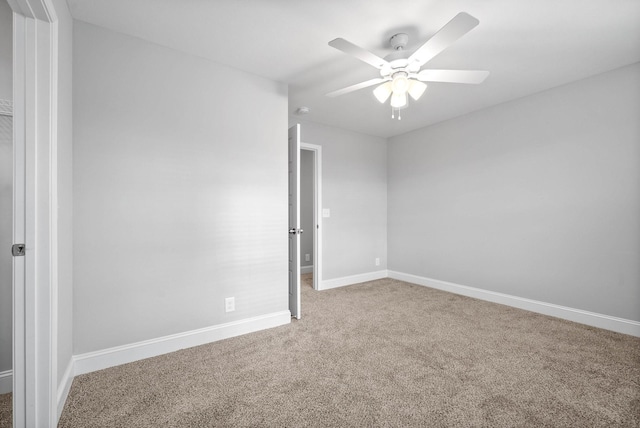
(453, 76)
(460, 25)
(357, 86)
(360, 53)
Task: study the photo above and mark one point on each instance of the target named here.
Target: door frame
(294, 230)
(35, 286)
(317, 212)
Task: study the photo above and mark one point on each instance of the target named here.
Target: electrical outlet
(377, 261)
(307, 257)
(230, 304)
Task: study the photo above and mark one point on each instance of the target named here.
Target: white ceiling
(527, 45)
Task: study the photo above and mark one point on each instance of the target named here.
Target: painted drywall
(537, 198)
(65, 188)
(6, 187)
(306, 206)
(354, 189)
(180, 191)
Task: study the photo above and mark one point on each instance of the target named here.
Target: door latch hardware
(17, 250)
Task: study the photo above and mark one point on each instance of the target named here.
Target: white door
(294, 221)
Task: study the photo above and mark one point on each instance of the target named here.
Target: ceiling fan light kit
(401, 74)
(383, 92)
(416, 89)
(398, 100)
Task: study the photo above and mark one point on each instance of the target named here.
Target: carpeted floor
(5, 411)
(382, 353)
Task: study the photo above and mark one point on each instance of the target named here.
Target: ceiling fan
(401, 74)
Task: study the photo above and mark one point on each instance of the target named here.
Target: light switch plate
(326, 212)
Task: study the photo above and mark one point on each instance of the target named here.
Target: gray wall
(354, 188)
(537, 198)
(65, 187)
(180, 191)
(306, 206)
(6, 187)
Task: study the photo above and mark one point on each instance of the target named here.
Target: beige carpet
(5, 411)
(382, 353)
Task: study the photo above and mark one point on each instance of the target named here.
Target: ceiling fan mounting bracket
(399, 41)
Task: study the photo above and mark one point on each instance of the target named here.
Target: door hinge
(17, 250)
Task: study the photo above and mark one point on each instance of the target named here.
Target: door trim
(294, 230)
(317, 212)
(35, 80)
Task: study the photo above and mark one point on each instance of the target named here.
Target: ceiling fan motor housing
(397, 65)
(397, 60)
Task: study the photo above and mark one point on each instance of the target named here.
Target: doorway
(295, 150)
(310, 211)
(35, 99)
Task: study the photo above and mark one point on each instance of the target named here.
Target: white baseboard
(593, 319)
(98, 360)
(6, 381)
(65, 386)
(306, 269)
(352, 279)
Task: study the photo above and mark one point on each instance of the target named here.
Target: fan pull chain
(393, 114)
